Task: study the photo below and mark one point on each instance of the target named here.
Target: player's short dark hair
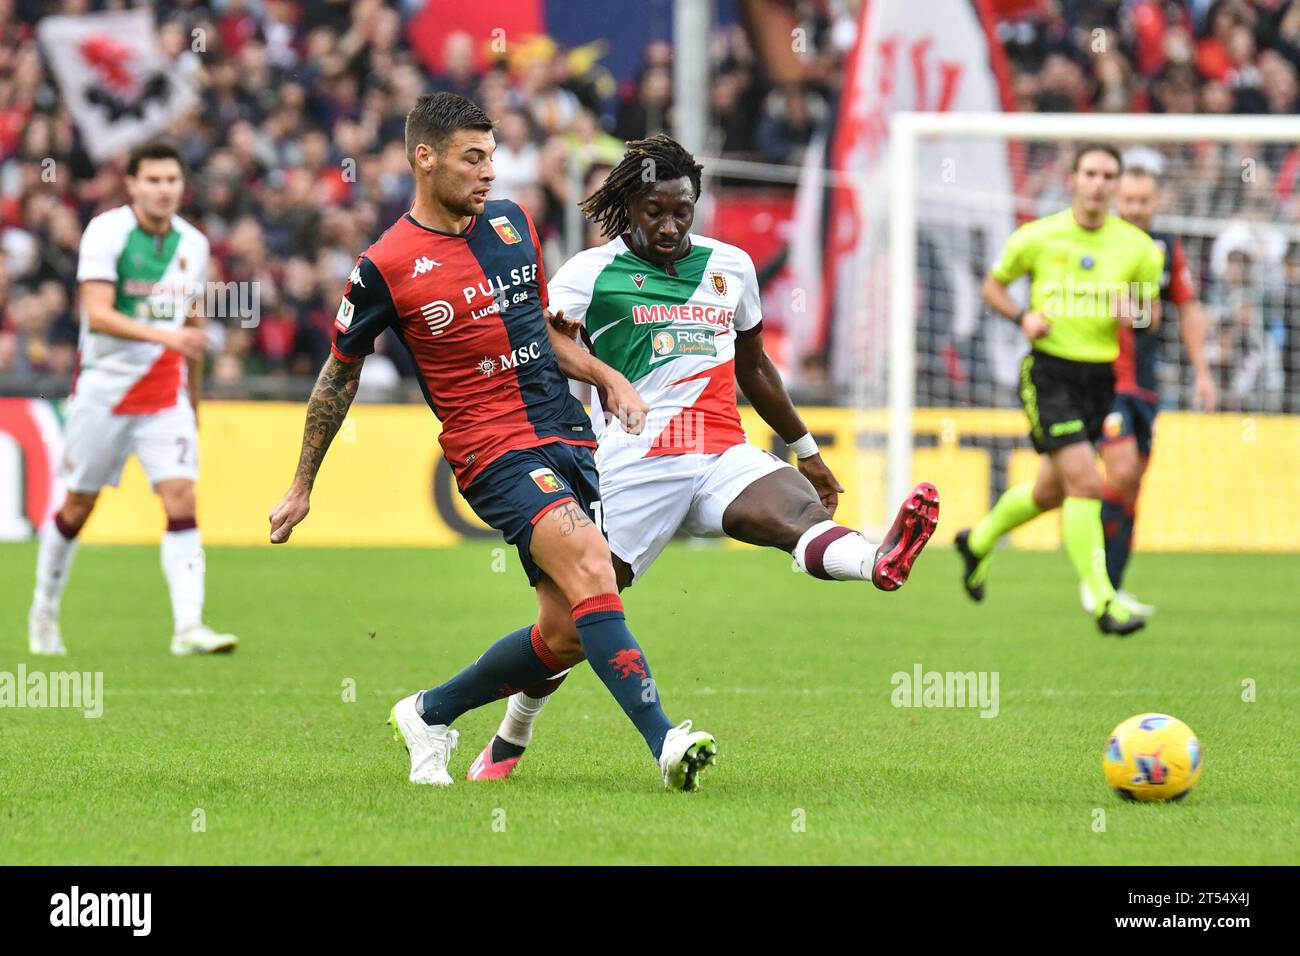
(435, 117)
(1106, 148)
(153, 149)
(655, 159)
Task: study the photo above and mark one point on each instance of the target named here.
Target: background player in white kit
(141, 274)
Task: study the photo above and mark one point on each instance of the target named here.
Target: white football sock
(521, 712)
(182, 564)
(53, 563)
(830, 550)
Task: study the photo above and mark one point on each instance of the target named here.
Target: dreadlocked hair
(647, 161)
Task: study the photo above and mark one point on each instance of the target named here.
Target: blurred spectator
(297, 157)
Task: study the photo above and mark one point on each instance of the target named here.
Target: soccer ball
(1152, 758)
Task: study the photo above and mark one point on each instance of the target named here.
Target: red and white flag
(120, 87)
(940, 56)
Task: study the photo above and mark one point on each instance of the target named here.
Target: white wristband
(804, 447)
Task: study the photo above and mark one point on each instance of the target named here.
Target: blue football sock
(1117, 520)
(615, 656)
(514, 661)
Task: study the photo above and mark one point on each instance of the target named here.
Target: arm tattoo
(573, 518)
(328, 406)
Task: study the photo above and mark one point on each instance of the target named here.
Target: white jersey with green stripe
(156, 279)
(672, 332)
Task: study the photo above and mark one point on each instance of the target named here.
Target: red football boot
(911, 529)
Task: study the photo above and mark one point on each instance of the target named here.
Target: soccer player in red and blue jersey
(459, 279)
(1129, 429)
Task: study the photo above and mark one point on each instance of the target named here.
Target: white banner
(119, 85)
(944, 60)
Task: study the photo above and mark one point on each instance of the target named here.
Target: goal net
(945, 370)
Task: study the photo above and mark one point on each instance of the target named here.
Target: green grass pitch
(792, 675)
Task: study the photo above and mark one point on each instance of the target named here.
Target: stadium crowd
(296, 159)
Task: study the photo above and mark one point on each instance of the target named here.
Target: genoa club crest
(546, 480)
(505, 230)
(719, 282)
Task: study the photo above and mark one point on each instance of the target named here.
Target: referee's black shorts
(1066, 401)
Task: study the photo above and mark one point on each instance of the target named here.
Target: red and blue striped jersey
(468, 308)
(1136, 369)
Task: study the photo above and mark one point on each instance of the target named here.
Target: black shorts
(1066, 401)
(1132, 417)
(515, 491)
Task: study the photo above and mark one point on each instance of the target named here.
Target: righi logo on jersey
(505, 230)
(513, 359)
(423, 265)
(437, 315)
(683, 342)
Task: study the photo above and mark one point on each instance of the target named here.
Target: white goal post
(909, 134)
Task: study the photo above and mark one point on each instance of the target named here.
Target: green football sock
(1086, 544)
(1014, 508)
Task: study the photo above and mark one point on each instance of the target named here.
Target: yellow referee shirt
(1076, 276)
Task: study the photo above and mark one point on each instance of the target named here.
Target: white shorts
(97, 443)
(646, 500)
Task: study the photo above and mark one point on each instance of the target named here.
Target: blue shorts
(516, 490)
(1131, 416)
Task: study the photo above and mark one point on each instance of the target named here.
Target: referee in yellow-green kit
(1090, 272)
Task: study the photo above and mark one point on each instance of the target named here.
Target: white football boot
(430, 747)
(43, 635)
(1124, 598)
(202, 639)
(1134, 605)
(685, 754)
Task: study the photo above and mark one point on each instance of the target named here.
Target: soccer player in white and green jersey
(678, 315)
(141, 272)
(1090, 273)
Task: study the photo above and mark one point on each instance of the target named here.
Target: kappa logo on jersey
(719, 282)
(354, 277)
(423, 265)
(545, 479)
(437, 315)
(638, 279)
(343, 318)
(505, 230)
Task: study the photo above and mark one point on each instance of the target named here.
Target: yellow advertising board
(1217, 482)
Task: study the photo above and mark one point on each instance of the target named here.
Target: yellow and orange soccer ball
(1152, 758)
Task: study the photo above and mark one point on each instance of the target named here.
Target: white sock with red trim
(833, 552)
